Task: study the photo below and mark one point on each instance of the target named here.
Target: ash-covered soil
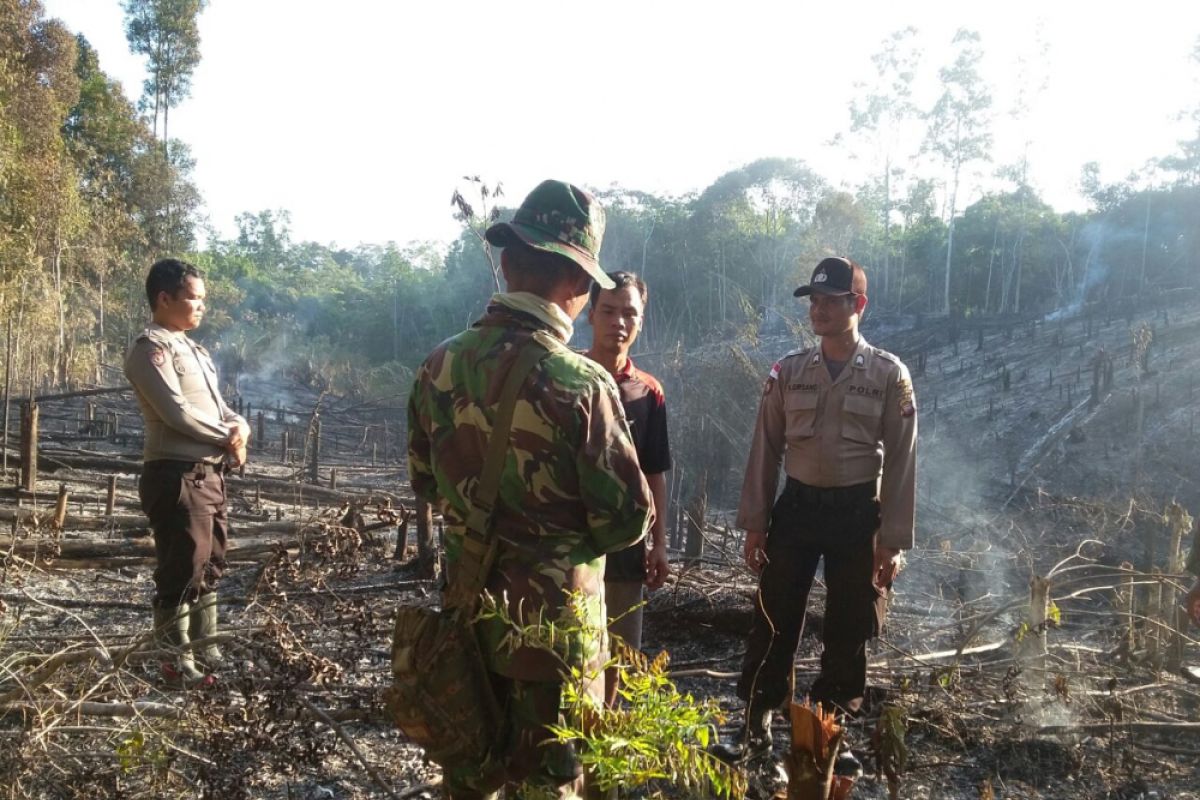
(1020, 477)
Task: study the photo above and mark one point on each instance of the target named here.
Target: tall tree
(959, 129)
(1186, 162)
(105, 138)
(1031, 83)
(167, 33)
(40, 212)
(881, 113)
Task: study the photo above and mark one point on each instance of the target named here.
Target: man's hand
(235, 444)
(754, 551)
(657, 567)
(888, 563)
(1192, 603)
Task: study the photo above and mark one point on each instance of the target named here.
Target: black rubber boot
(752, 741)
(847, 764)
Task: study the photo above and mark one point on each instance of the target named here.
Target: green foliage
(657, 736)
(92, 196)
(134, 752)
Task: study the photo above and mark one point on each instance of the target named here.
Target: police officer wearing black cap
(841, 418)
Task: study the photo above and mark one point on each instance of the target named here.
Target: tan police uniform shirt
(832, 433)
(177, 389)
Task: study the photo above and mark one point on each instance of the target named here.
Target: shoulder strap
(479, 545)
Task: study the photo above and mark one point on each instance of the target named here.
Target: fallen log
(272, 489)
(149, 708)
(1124, 727)
(247, 542)
(74, 521)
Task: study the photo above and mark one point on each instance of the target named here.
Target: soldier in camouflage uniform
(571, 489)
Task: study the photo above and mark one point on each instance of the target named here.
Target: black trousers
(186, 506)
(809, 525)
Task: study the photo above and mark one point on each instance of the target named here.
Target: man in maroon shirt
(616, 318)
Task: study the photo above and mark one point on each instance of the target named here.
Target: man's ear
(860, 303)
(504, 260)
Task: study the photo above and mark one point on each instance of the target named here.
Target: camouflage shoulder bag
(441, 695)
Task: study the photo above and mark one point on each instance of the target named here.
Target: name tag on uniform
(864, 391)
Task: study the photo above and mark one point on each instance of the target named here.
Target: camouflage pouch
(441, 695)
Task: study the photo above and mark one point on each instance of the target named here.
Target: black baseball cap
(835, 275)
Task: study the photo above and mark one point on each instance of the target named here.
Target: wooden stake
(402, 536)
(314, 447)
(262, 430)
(1039, 615)
(110, 502)
(333, 478)
(60, 507)
(1128, 599)
(427, 550)
(697, 513)
(29, 449)
(8, 359)
(1154, 611)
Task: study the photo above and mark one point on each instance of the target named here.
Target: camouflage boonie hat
(558, 217)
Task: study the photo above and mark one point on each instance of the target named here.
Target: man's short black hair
(540, 270)
(622, 279)
(168, 275)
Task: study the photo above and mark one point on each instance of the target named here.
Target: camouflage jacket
(571, 489)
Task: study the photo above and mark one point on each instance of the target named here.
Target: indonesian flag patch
(769, 384)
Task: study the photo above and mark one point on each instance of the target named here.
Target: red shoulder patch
(772, 376)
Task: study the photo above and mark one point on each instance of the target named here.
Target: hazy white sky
(361, 116)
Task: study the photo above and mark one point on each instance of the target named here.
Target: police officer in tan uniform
(841, 417)
(191, 438)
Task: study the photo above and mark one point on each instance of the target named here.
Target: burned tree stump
(110, 501)
(60, 507)
(816, 737)
(314, 449)
(29, 450)
(1175, 618)
(427, 551)
(697, 513)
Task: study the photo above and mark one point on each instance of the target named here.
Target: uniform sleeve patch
(772, 376)
(157, 356)
(908, 404)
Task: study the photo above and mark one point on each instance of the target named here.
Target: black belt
(175, 465)
(829, 496)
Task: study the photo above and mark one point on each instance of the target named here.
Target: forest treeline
(92, 190)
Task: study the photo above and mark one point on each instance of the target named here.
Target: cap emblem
(820, 277)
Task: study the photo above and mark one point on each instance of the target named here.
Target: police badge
(908, 405)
